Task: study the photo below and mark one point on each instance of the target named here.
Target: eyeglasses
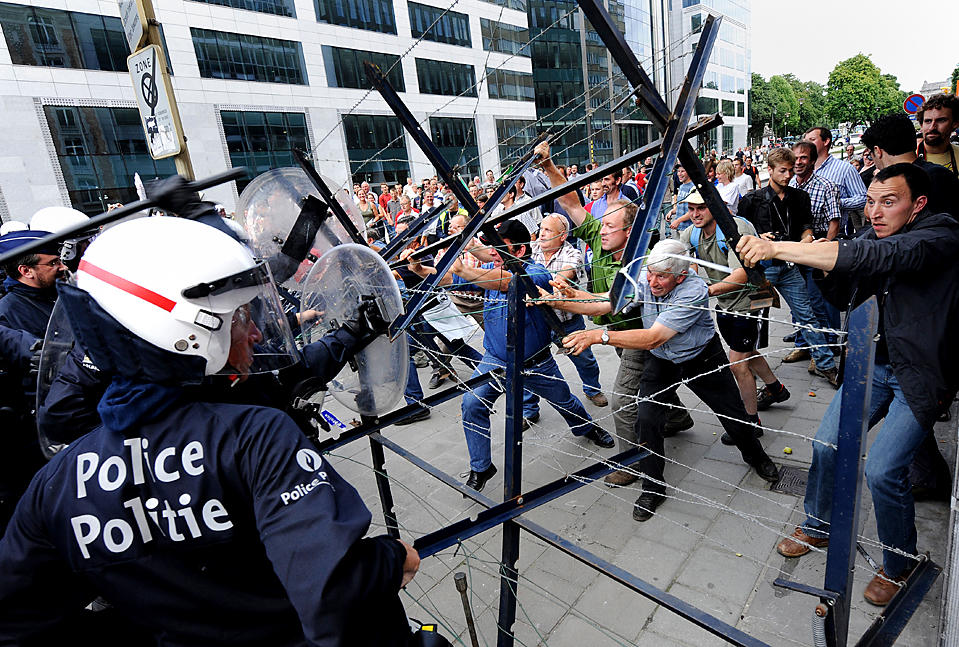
(53, 263)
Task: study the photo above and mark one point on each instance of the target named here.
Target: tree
(785, 104)
(954, 79)
(858, 92)
(760, 107)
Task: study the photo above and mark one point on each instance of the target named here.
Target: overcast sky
(808, 37)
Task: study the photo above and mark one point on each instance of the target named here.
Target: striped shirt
(824, 196)
(852, 192)
(565, 257)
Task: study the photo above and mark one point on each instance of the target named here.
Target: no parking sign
(912, 103)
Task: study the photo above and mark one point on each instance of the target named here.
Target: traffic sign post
(912, 103)
(134, 18)
(152, 88)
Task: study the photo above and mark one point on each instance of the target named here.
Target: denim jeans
(414, 391)
(586, 366)
(792, 287)
(544, 379)
(826, 313)
(887, 470)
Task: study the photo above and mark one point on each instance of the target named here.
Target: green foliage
(858, 92)
(804, 101)
(954, 78)
(760, 107)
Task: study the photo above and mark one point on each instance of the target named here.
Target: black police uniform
(27, 308)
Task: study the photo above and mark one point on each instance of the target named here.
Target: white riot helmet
(191, 290)
(56, 219)
(12, 225)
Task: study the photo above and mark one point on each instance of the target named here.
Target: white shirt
(730, 195)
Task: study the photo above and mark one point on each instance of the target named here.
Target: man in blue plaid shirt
(852, 191)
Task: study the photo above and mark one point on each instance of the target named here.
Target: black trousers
(717, 389)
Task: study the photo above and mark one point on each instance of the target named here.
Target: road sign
(133, 17)
(912, 103)
(151, 85)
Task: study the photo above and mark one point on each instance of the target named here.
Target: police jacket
(207, 523)
(26, 308)
(916, 279)
(787, 218)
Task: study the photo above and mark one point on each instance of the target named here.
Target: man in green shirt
(607, 238)
(743, 331)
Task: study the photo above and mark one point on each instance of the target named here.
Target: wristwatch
(604, 337)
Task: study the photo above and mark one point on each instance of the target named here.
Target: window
(690, 3)
(100, 150)
(376, 148)
(504, 84)
(740, 109)
(695, 23)
(729, 108)
(505, 38)
(519, 5)
(515, 137)
(456, 139)
(440, 77)
(263, 140)
(439, 25)
(344, 68)
(54, 38)
(707, 105)
(223, 55)
(727, 139)
(740, 86)
(373, 15)
(275, 7)
(727, 83)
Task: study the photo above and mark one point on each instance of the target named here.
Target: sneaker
(478, 480)
(599, 400)
(797, 355)
(600, 437)
(831, 375)
(881, 589)
(765, 398)
(790, 338)
(799, 543)
(646, 505)
(812, 367)
(620, 478)
(424, 414)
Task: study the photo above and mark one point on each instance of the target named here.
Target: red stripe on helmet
(158, 300)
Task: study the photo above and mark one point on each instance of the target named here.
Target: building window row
(443, 77)
(275, 7)
(224, 55)
(372, 15)
(456, 140)
(515, 137)
(262, 141)
(505, 84)
(344, 68)
(505, 38)
(439, 25)
(376, 148)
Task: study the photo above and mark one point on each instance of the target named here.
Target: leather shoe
(790, 338)
(881, 588)
(646, 505)
(424, 414)
(766, 469)
(438, 377)
(599, 400)
(797, 355)
(620, 478)
(765, 397)
(673, 428)
(477, 480)
(831, 375)
(795, 545)
(530, 421)
(600, 437)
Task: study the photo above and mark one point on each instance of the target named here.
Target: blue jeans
(586, 366)
(414, 391)
(887, 470)
(792, 287)
(544, 379)
(826, 313)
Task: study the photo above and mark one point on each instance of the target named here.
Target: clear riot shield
(57, 344)
(376, 378)
(268, 210)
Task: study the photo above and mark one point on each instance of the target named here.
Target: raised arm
(569, 201)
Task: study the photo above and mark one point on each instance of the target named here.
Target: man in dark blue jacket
(204, 522)
(30, 284)
(906, 259)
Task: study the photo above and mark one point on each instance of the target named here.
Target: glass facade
(377, 149)
(727, 139)
(55, 38)
(456, 139)
(344, 68)
(707, 105)
(439, 25)
(275, 7)
(263, 140)
(372, 15)
(519, 5)
(442, 77)
(515, 137)
(505, 38)
(224, 55)
(505, 84)
(100, 150)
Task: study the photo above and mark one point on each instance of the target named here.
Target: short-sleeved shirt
(944, 159)
(626, 192)
(709, 250)
(496, 322)
(823, 200)
(605, 268)
(566, 256)
(693, 325)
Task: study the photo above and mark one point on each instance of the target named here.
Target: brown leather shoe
(795, 545)
(881, 589)
(599, 400)
(812, 367)
(797, 355)
(620, 478)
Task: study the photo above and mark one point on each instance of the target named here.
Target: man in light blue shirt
(684, 347)
(852, 191)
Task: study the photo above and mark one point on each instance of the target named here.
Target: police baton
(121, 212)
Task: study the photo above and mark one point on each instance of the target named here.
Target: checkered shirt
(566, 256)
(824, 196)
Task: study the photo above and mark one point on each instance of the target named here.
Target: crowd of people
(178, 451)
